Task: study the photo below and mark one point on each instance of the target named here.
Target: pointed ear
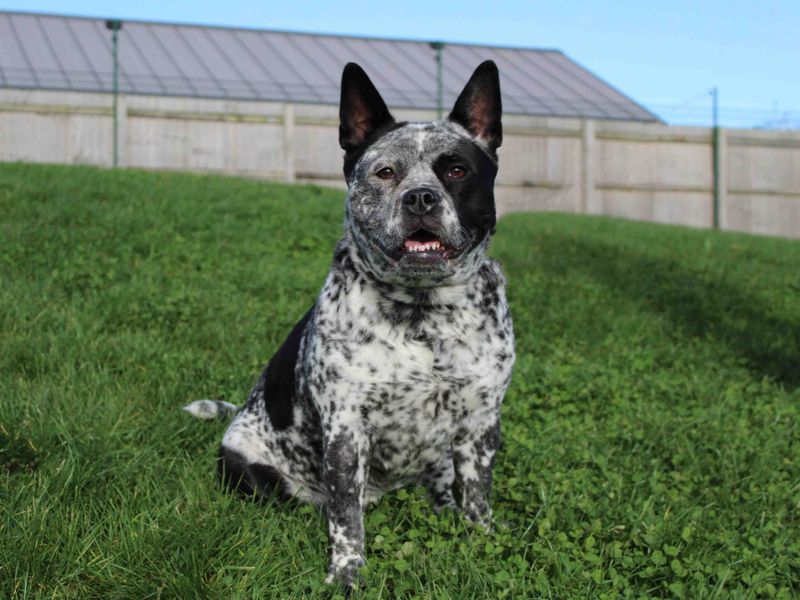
(362, 111)
(479, 108)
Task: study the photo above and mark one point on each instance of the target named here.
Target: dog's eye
(385, 173)
(456, 172)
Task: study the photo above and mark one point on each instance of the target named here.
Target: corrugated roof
(74, 53)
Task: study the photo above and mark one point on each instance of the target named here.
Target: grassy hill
(651, 441)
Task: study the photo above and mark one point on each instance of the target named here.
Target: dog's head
(420, 207)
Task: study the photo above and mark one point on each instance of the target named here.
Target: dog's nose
(421, 200)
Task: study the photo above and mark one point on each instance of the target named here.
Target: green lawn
(650, 435)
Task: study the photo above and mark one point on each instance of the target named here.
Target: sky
(666, 55)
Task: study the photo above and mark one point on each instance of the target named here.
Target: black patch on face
(278, 380)
(472, 194)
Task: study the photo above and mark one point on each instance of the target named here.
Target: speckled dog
(395, 376)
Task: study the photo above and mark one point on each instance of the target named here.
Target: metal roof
(74, 53)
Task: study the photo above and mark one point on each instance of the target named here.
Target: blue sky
(666, 55)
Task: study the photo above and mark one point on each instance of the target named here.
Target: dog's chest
(412, 383)
(428, 369)
(419, 388)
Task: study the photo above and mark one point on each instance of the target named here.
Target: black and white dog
(395, 376)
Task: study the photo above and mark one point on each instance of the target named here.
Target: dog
(397, 373)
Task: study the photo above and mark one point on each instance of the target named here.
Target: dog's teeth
(433, 245)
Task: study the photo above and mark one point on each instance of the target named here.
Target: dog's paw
(443, 501)
(344, 572)
(479, 518)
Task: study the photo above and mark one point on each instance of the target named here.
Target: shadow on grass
(17, 454)
(700, 303)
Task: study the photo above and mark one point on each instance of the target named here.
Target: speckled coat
(396, 375)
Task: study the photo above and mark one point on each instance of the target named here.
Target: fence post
(121, 139)
(720, 178)
(587, 167)
(715, 157)
(114, 25)
(288, 142)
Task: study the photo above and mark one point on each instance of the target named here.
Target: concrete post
(288, 142)
(587, 167)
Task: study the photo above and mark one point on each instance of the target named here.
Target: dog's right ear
(362, 111)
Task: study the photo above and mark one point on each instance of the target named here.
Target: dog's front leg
(473, 458)
(345, 471)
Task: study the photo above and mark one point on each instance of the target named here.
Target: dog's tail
(211, 409)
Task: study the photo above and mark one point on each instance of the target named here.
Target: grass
(651, 444)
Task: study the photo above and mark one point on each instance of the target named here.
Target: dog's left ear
(362, 111)
(479, 108)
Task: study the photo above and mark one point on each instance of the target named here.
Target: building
(264, 104)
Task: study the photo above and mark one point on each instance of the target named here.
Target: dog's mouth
(424, 246)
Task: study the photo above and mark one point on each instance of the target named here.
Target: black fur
(277, 382)
(246, 478)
